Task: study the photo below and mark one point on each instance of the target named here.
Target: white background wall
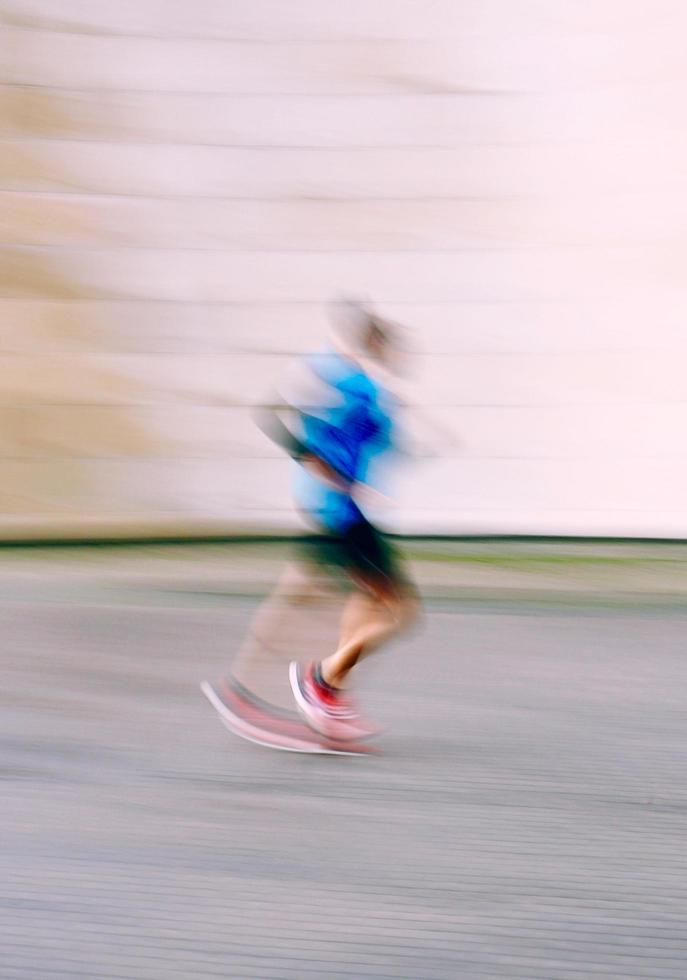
(185, 184)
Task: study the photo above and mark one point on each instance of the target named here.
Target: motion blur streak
(185, 188)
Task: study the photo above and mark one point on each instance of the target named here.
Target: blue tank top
(348, 432)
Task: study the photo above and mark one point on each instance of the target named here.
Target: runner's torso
(345, 421)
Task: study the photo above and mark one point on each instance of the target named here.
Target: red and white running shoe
(327, 710)
(247, 716)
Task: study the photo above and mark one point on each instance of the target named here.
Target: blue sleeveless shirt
(351, 428)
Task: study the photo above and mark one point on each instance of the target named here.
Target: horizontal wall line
(303, 198)
(74, 30)
(432, 90)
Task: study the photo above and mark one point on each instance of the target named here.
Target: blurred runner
(342, 423)
(336, 418)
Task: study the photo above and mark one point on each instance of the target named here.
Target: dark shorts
(366, 556)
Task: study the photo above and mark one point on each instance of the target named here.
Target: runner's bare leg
(368, 621)
(294, 606)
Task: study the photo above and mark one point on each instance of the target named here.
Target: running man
(343, 422)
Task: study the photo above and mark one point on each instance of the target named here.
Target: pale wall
(184, 185)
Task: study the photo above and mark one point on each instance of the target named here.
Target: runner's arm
(269, 421)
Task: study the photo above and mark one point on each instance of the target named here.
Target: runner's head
(362, 334)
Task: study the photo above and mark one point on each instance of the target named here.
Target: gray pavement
(526, 819)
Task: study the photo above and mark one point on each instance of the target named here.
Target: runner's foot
(249, 718)
(326, 709)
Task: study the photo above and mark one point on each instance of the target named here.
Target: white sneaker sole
(283, 743)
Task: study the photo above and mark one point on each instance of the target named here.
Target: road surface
(527, 817)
